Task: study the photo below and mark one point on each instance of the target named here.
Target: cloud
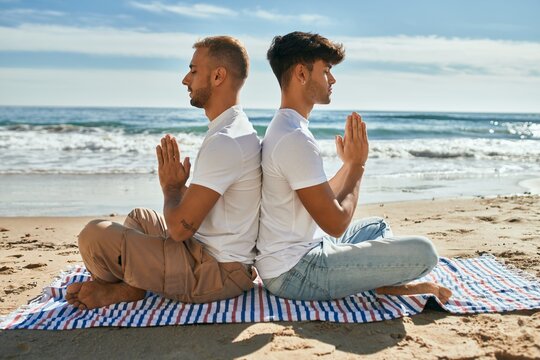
(368, 91)
(194, 10)
(405, 54)
(96, 41)
(24, 14)
(451, 55)
(277, 17)
(56, 87)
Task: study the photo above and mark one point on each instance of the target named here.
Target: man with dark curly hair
(308, 247)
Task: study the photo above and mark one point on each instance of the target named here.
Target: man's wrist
(172, 190)
(355, 165)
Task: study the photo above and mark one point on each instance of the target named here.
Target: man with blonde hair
(203, 246)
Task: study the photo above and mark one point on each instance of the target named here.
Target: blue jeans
(365, 257)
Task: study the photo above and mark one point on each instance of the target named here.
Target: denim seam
(367, 267)
(298, 275)
(363, 227)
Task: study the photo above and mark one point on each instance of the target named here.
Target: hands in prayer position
(173, 174)
(354, 147)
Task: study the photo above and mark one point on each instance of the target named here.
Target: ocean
(95, 161)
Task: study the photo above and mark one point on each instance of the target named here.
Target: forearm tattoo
(189, 227)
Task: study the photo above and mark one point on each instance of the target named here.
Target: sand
(34, 250)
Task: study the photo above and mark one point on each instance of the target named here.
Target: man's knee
(426, 252)
(139, 215)
(375, 225)
(91, 234)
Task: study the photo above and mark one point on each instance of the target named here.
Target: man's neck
(294, 101)
(217, 108)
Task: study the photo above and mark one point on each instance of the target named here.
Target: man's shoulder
(232, 144)
(286, 136)
(222, 141)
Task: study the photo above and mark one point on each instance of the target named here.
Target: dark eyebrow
(191, 66)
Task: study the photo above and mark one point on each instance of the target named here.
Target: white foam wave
(106, 152)
(459, 148)
(114, 152)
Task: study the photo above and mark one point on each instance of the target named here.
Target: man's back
(229, 163)
(291, 160)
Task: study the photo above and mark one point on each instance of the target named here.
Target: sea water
(93, 161)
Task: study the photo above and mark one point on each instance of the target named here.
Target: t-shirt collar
(224, 119)
(295, 115)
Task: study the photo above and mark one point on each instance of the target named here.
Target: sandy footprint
(6, 270)
(34, 266)
(10, 289)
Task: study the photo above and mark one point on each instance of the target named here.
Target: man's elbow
(335, 229)
(179, 234)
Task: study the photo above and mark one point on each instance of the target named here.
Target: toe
(444, 294)
(74, 288)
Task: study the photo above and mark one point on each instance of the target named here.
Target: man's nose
(332, 79)
(185, 80)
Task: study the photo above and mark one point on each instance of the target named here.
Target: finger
(176, 149)
(170, 149)
(164, 150)
(187, 165)
(159, 156)
(355, 125)
(339, 143)
(364, 132)
(348, 128)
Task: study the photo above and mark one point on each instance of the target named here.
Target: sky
(415, 55)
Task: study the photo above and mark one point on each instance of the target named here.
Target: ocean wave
(122, 141)
(472, 149)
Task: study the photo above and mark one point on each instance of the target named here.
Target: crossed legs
(101, 244)
(366, 257)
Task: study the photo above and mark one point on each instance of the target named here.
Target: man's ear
(219, 75)
(301, 73)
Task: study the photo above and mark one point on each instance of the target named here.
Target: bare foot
(94, 294)
(442, 293)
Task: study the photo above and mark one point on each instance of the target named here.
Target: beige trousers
(141, 254)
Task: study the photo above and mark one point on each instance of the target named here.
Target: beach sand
(34, 250)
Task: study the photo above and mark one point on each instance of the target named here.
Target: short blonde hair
(228, 52)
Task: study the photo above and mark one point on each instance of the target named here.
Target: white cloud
(441, 92)
(476, 75)
(277, 17)
(452, 54)
(194, 10)
(53, 87)
(96, 41)
(370, 91)
(111, 41)
(31, 12)
(435, 54)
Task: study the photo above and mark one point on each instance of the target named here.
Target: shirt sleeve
(219, 164)
(299, 159)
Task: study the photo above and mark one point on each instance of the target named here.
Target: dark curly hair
(301, 48)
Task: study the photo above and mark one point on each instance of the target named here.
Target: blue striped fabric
(479, 285)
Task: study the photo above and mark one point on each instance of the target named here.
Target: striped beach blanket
(479, 285)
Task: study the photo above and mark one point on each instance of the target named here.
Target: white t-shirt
(291, 160)
(228, 162)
